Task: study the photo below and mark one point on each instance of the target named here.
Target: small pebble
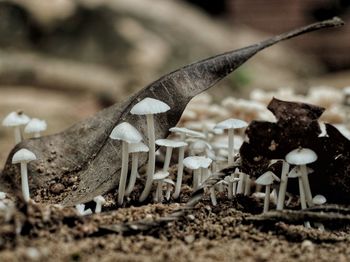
(307, 245)
(189, 239)
(57, 188)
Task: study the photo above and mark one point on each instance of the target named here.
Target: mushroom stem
(230, 190)
(240, 183)
(205, 175)
(196, 175)
(151, 157)
(168, 192)
(18, 134)
(180, 169)
(213, 196)
(306, 184)
(283, 186)
(133, 175)
(24, 181)
(247, 185)
(159, 191)
(123, 173)
(302, 193)
(98, 207)
(168, 153)
(37, 134)
(267, 198)
(230, 146)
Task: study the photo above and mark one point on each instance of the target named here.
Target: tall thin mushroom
(266, 180)
(127, 134)
(231, 124)
(134, 150)
(283, 186)
(23, 156)
(149, 107)
(301, 157)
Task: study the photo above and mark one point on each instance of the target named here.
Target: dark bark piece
(297, 126)
(85, 150)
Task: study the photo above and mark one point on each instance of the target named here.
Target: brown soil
(207, 233)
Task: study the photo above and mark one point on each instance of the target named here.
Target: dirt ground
(207, 233)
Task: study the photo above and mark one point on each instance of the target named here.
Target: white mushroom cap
(100, 199)
(294, 172)
(126, 132)
(35, 125)
(200, 145)
(169, 181)
(319, 200)
(267, 178)
(301, 156)
(138, 147)
(231, 123)
(195, 162)
(160, 175)
(23, 155)
(170, 143)
(149, 106)
(15, 119)
(231, 179)
(186, 131)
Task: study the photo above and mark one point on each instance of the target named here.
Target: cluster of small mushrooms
(209, 145)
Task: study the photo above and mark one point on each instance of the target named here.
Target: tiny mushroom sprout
(23, 156)
(301, 157)
(127, 134)
(319, 200)
(35, 126)
(16, 120)
(231, 124)
(149, 107)
(100, 201)
(159, 177)
(169, 183)
(134, 150)
(169, 144)
(266, 180)
(183, 133)
(81, 210)
(199, 165)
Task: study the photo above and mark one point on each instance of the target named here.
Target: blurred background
(63, 60)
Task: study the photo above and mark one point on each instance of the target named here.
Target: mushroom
(35, 126)
(149, 107)
(134, 150)
(199, 147)
(127, 134)
(266, 180)
(16, 120)
(319, 200)
(231, 124)
(169, 144)
(100, 201)
(158, 178)
(168, 183)
(301, 157)
(197, 163)
(23, 157)
(240, 186)
(283, 186)
(81, 210)
(183, 133)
